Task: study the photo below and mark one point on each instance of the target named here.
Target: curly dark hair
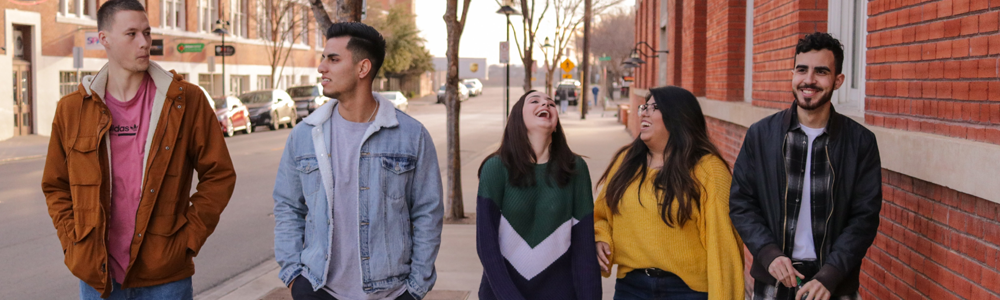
(822, 41)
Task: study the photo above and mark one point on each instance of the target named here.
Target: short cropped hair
(822, 41)
(365, 43)
(106, 14)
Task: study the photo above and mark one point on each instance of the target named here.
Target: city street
(33, 265)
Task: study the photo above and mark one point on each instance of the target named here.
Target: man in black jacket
(807, 187)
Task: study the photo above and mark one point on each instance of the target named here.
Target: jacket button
(397, 168)
(140, 235)
(167, 147)
(152, 190)
(181, 88)
(178, 105)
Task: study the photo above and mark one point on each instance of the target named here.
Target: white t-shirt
(804, 249)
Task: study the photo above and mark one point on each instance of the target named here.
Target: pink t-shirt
(129, 127)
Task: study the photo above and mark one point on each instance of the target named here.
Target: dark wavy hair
(519, 158)
(823, 41)
(676, 181)
(366, 42)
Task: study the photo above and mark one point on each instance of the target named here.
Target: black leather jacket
(759, 190)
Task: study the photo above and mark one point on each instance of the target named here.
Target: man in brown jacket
(119, 169)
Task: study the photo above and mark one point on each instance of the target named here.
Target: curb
(239, 287)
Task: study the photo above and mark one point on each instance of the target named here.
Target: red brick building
(924, 75)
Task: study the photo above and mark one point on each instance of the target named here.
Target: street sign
(156, 49)
(567, 76)
(604, 58)
(627, 78)
(474, 67)
(93, 41)
(567, 65)
(229, 50)
(190, 47)
(504, 52)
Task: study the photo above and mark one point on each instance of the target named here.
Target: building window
(78, 8)
(68, 82)
(238, 18)
(264, 82)
(304, 33)
(173, 14)
(239, 84)
(304, 80)
(212, 83)
(208, 12)
(320, 42)
(848, 23)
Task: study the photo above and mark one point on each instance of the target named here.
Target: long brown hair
(676, 181)
(519, 158)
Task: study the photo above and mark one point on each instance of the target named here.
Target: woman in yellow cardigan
(662, 214)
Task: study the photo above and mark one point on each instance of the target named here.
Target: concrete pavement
(458, 268)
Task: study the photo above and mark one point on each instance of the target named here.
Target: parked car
(567, 91)
(474, 85)
(398, 100)
(270, 107)
(307, 98)
(233, 115)
(463, 93)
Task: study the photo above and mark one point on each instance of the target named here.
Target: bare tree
(529, 29)
(277, 22)
(453, 104)
(613, 36)
(569, 16)
(344, 11)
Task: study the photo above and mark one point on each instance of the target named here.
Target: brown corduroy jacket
(171, 224)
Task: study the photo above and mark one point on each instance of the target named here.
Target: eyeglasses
(645, 107)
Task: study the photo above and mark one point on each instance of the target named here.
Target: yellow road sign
(567, 76)
(567, 65)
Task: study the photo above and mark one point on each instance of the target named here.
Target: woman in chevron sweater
(534, 227)
(662, 214)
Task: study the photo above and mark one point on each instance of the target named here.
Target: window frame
(179, 12)
(849, 25)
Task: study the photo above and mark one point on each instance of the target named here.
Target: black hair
(822, 41)
(366, 42)
(676, 181)
(519, 158)
(106, 14)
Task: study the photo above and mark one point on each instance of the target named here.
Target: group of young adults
(358, 198)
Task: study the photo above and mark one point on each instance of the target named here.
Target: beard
(812, 103)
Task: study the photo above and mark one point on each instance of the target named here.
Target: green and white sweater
(536, 242)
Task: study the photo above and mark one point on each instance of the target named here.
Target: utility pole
(585, 74)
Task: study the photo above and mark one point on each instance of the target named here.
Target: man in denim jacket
(357, 199)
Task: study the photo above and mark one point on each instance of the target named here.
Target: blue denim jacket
(400, 206)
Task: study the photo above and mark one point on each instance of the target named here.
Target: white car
(398, 100)
(475, 87)
(463, 93)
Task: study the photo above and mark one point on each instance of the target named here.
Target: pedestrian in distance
(807, 187)
(120, 160)
(534, 225)
(662, 214)
(357, 199)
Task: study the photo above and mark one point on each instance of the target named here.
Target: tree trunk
(585, 75)
(528, 64)
(349, 10)
(453, 106)
(548, 81)
(322, 18)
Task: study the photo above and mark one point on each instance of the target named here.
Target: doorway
(21, 71)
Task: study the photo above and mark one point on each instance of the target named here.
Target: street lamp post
(220, 28)
(507, 9)
(548, 74)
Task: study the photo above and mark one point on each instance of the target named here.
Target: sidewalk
(458, 269)
(23, 147)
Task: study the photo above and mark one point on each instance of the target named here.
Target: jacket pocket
(84, 167)
(307, 166)
(396, 174)
(84, 256)
(164, 252)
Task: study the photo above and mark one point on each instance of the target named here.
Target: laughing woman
(663, 212)
(534, 227)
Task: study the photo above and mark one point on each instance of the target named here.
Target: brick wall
(778, 25)
(726, 37)
(675, 28)
(728, 137)
(933, 243)
(933, 67)
(693, 39)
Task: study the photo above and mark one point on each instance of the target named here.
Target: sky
(484, 30)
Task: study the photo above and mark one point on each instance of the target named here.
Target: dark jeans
(637, 285)
(177, 290)
(302, 290)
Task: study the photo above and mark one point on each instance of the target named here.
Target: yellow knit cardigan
(706, 252)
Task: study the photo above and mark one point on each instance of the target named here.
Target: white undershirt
(804, 249)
